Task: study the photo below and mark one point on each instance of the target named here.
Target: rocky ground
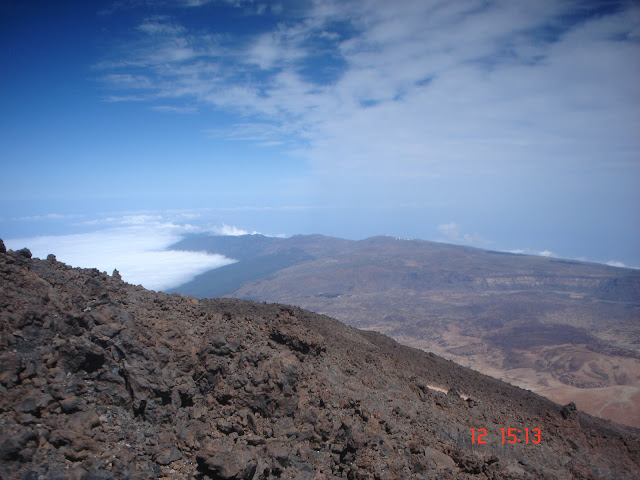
(104, 380)
(565, 329)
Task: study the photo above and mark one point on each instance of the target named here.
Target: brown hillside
(563, 328)
(104, 380)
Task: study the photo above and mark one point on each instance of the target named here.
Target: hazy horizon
(511, 126)
(137, 245)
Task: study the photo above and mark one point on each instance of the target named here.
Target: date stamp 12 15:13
(509, 435)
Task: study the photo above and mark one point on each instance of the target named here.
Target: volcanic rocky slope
(104, 380)
(563, 328)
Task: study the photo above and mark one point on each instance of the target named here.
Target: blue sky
(497, 124)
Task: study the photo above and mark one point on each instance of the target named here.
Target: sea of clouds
(135, 245)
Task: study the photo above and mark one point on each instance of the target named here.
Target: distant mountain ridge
(258, 257)
(557, 326)
(462, 268)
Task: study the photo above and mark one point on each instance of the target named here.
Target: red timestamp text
(509, 435)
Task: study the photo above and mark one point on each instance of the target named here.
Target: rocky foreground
(104, 380)
(566, 329)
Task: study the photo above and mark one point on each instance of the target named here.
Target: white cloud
(159, 26)
(125, 98)
(538, 253)
(549, 253)
(452, 233)
(176, 220)
(614, 263)
(194, 3)
(424, 87)
(48, 216)
(135, 243)
(229, 230)
(260, 133)
(449, 230)
(126, 80)
(138, 251)
(175, 109)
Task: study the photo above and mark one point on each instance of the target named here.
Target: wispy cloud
(528, 251)
(261, 133)
(118, 5)
(452, 233)
(469, 103)
(229, 230)
(549, 253)
(160, 26)
(48, 216)
(460, 81)
(614, 263)
(175, 109)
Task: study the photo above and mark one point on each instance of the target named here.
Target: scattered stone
(10, 367)
(14, 445)
(35, 402)
(71, 404)
(165, 456)
(453, 392)
(569, 411)
(146, 385)
(238, 464)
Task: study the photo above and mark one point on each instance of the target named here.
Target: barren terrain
(566, 329)
(104, 380)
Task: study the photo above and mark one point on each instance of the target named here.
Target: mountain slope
(566, 329)
(101, 379)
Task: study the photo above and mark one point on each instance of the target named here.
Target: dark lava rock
(569, 411)
(165, 455)
(104, 380)
(236, 464)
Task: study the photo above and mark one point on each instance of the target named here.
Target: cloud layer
(137, 250)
